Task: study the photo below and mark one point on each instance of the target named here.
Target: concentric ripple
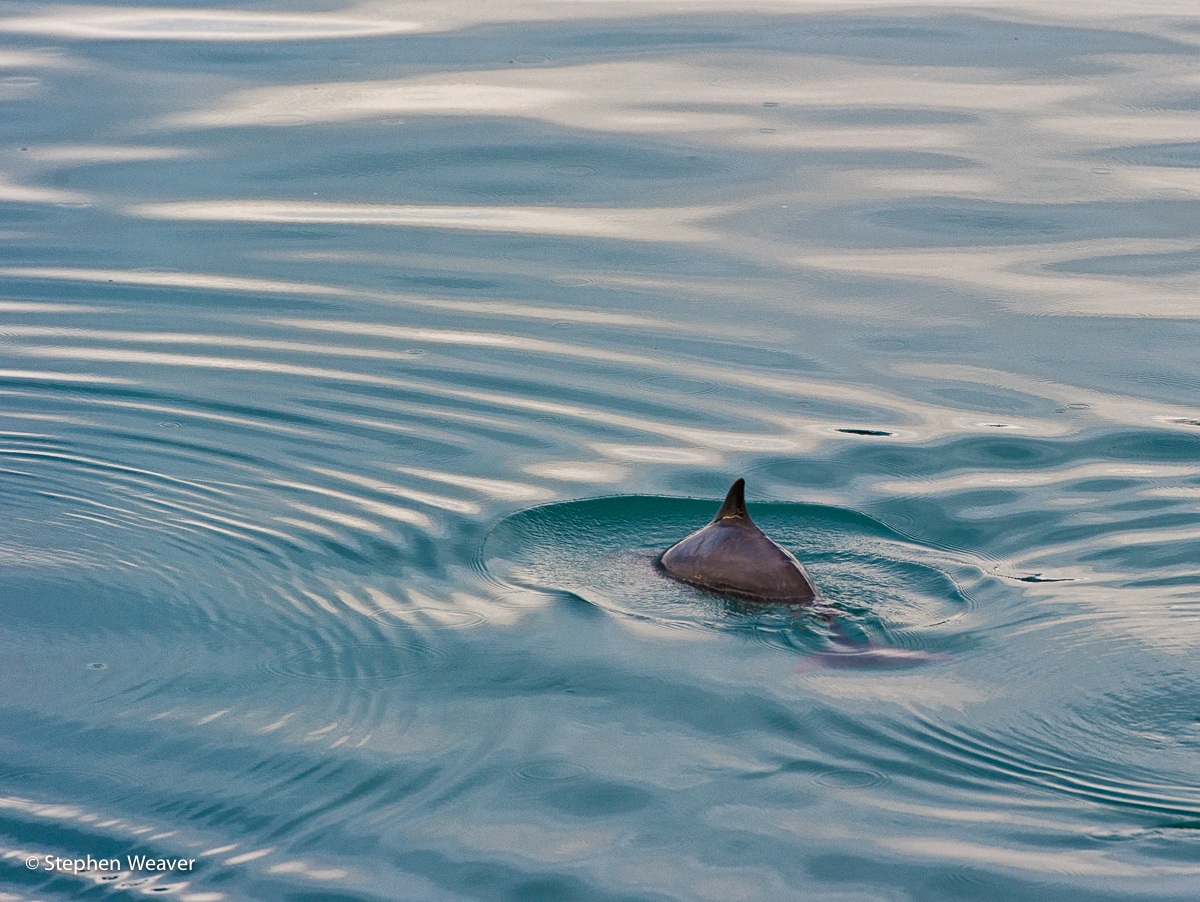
(877, 586)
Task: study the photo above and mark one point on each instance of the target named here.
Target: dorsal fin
(735, 502)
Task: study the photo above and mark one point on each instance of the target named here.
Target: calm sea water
(355, 365)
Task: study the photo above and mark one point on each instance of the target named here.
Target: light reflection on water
(355, 365)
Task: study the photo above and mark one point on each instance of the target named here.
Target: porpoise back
(733, 555)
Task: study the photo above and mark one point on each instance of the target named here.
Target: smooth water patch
(878, 587)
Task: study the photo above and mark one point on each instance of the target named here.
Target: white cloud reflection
(655, 224)
(100, 153)
(39, 58)
(32, 194)
(1027, 278)
(655, 97)
(115, 23)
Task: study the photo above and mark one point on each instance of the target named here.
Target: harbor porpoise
(733, 555)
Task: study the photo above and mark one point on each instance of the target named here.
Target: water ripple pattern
(356, 363)
(605, 552)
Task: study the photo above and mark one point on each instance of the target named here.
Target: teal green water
(355, 366)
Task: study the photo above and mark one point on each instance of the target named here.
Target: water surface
(355, 365)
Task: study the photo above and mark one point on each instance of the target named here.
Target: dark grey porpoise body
(733, 555)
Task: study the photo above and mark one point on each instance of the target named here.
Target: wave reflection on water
(355, 367)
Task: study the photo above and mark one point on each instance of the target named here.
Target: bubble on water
(552, 771)
(676, 385)
(848, 778)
